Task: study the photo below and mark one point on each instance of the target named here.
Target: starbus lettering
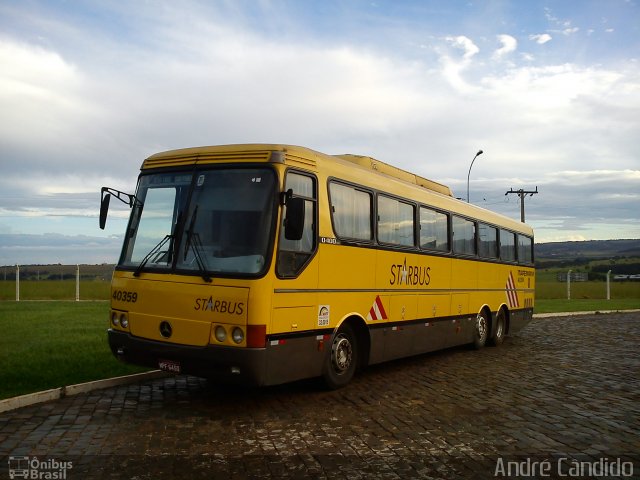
(412, 275)
(218, 306)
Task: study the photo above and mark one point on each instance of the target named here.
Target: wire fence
(55, 282)
(92, 282)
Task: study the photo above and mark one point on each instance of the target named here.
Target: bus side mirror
(104, 208)
(294, 221)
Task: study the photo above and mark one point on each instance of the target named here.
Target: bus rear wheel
(342, 359)
(481, 330)
(498, 336)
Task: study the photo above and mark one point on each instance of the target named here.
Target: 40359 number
(124, 296)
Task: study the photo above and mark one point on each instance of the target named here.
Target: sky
(548, 89)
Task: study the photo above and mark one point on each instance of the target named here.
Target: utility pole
(522, 193)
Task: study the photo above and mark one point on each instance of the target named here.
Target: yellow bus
(264, 264)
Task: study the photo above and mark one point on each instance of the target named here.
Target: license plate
(169, 366)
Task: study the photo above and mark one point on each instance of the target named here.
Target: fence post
(77, 282)
(608, 286)
(17, 283)
(569, 285)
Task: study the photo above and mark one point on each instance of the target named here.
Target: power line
(522, 193)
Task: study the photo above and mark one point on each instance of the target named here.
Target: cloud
(77, 114)
(569, 30)
(550, 16)
(466, 44)
(562, 26)
(453, 68)
(60, 117)
(541, 38)
(600, 204)
(339, 98)
(509, 45)
(20, 249)
(38, 96)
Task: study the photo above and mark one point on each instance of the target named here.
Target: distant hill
(587, 249)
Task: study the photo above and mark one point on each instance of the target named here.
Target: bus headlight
(124, 321)
(220, 333)
(114, 319)
(237, 335)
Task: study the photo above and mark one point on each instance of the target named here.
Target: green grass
(551, 290)
(551, 295)
(585, 305)
(52, 344)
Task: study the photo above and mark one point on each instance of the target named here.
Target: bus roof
(262, 152)
(347, 165)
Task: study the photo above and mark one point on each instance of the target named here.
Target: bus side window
(507, 246)
(464, 236)
(525, 249)
(350, 212)
(487, 241)
(434, 233)
(395, 222)
(293, 255)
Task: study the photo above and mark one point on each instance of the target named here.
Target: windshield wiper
(193, 241)
(155, 252)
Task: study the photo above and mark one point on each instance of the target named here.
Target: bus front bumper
(246, 366)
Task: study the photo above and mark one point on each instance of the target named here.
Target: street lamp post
(469, 174)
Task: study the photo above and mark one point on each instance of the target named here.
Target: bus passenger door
(295, 298)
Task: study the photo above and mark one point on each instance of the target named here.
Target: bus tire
(481, 331)
(500, 329)
(341, 359)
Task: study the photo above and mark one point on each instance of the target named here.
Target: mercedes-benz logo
(165, 329)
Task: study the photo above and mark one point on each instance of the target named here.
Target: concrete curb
(58, 393)
(574, 314)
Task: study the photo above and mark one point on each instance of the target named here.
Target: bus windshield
(215, 221)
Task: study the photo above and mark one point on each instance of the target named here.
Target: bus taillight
(256, 336)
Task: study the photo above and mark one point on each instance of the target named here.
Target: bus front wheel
(342, 359)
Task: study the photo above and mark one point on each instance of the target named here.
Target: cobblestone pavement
(560, 398)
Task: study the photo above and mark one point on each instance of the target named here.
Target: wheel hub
(481, 326)
(341, 353)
